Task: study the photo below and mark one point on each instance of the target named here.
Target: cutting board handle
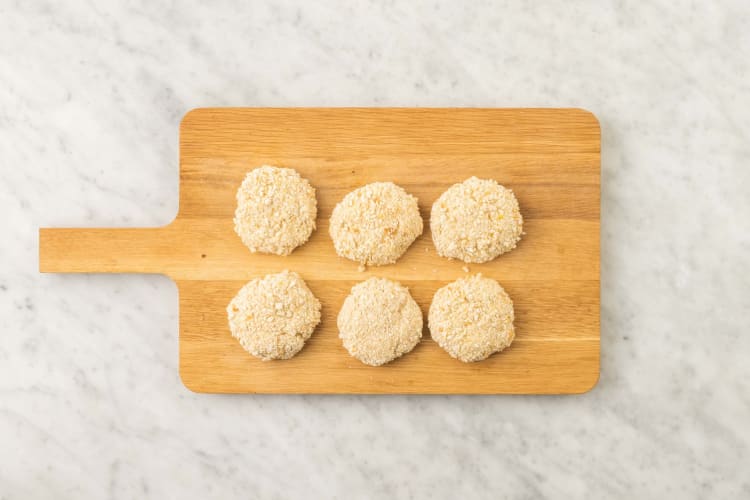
(103, 250)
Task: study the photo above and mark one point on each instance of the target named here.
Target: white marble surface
(91, 405)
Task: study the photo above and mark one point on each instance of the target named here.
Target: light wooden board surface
(549, 157)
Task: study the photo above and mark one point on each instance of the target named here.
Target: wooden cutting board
(549, 157)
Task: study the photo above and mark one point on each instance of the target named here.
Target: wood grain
(549, 157)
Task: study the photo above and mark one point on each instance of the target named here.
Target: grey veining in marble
(91, 95)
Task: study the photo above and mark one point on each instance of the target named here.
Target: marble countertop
(91, 405)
